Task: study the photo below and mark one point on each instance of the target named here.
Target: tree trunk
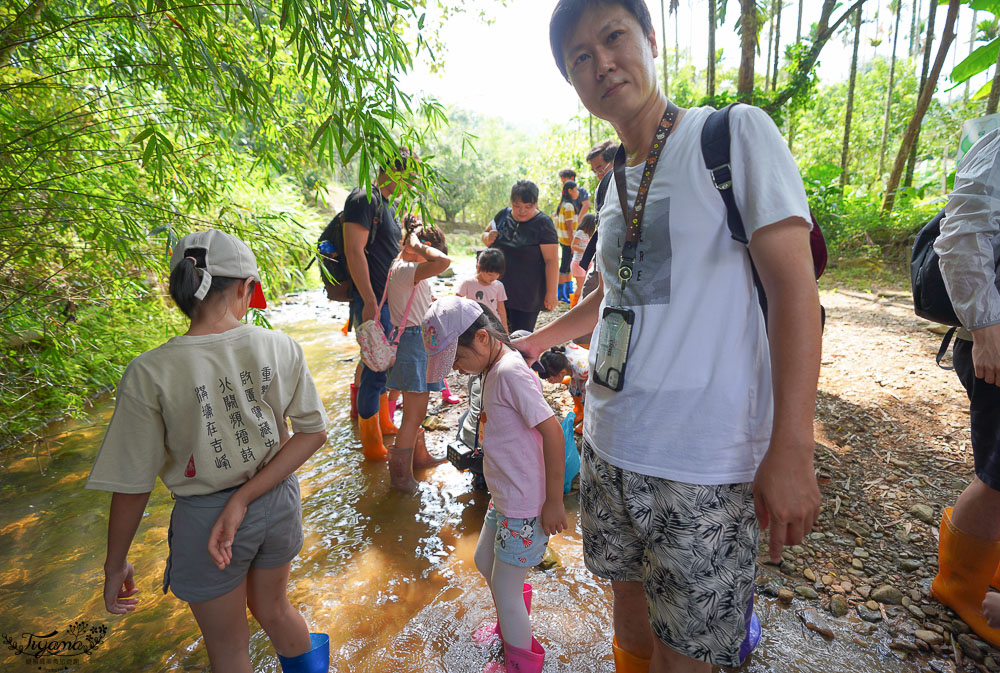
(991, 104)
(677, 42)
(888, 97)
(972, 47)
(845, 151)
(914, 22)
(770, 42)
(798, 25)
(779, 5)
(912, 161)
(663, 43)
(910, 136)
(748, 40)
(710, 72)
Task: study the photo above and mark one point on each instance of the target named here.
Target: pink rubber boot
(485, 634)
(448, 397)
(517, 660)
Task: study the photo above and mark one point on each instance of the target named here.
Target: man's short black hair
(567, 173)
(524, 191)
(491, 260)
(568, 12)
(399, 162)
(605, 150)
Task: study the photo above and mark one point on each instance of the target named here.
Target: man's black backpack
(330, 249)
(715, 150)
(930, 296)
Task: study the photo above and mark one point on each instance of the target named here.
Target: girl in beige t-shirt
(206, 413)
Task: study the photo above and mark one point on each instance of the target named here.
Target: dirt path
(892, 451)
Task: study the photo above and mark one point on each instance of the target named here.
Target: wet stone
(960, 627)
(838, 605)
(971, 647)
(787, 568)
(827, 580)
(815, 621)
(929, 637)
(908, 565)
(923, 512)
(857, 564)
(809, 574)
(915, 611)
(860, 553)
(806, 591)
(770, 588)
(786, 596)
(797, 549)
(903, 645)
(864, 591)
(887, 594)
(868, 614)
(847, 587)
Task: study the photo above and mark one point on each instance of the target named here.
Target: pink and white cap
(445, 321)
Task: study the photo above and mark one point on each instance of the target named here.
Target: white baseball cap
(225, 256)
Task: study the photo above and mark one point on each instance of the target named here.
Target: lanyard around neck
(633, 221)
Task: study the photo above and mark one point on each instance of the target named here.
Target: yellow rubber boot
(966, 565)
(384, 419)
(626, 662)
(371, 439)
(578, 411)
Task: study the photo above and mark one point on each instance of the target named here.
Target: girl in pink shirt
(523, 464)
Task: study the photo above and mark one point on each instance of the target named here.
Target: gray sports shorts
(693, 547)
(269, 537)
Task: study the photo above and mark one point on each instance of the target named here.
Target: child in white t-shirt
(206, 412)
(523, 454)
(485, 287)
(409, 295)
(572, 361)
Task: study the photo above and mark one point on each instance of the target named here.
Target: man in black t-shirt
(372, 240)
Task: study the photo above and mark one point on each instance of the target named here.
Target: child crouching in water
(409, 291)
(555, 364)
(523, 462)
(206, 412)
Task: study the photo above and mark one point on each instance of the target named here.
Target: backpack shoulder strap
(715, 150)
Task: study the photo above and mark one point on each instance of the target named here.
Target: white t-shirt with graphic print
(697, 402)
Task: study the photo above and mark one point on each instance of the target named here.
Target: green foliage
(126, 125)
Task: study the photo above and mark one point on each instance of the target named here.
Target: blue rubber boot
(316, 660)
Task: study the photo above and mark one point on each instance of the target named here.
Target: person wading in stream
(207, 411)
(372, 242)
(679, 448)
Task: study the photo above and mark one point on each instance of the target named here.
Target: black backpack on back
(930, 296)
(330, 250)
(715, 150)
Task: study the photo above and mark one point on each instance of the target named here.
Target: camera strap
(633, 217)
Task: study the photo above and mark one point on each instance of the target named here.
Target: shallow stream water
(389, 577)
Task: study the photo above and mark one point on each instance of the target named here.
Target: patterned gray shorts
(693, 547)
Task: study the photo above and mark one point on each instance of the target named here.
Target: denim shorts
(516, 542)
(269, 537)
(409, 372)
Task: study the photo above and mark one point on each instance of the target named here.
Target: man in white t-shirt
(682, 464)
